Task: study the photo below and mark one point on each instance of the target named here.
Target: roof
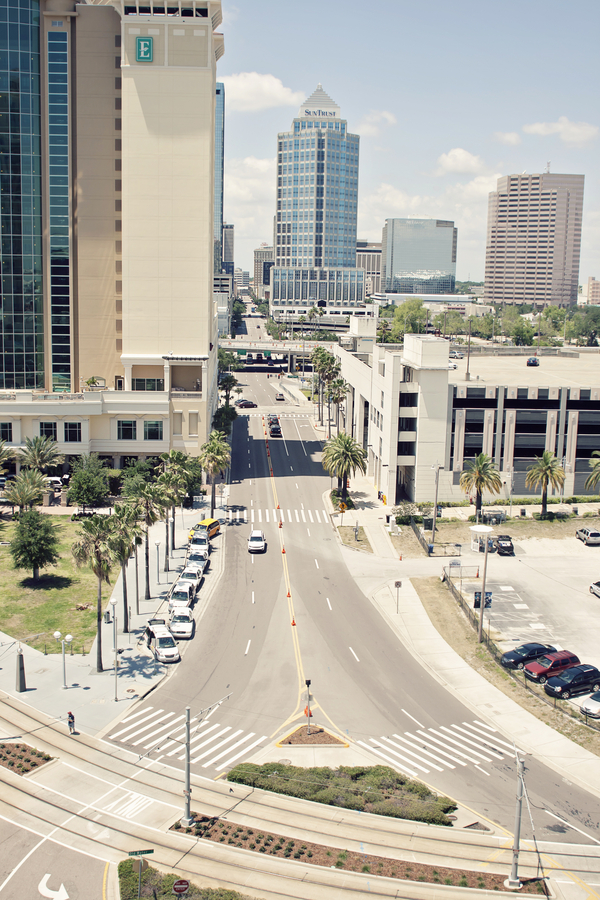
(319, 101)
(512, 371)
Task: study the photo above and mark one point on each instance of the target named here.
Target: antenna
(548, 167)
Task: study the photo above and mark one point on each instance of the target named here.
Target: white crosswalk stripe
(213, 745)
(444, 747)
(270, 516)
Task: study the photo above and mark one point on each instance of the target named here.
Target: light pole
(513, 882)
(307, 683)
(172, 524)
(66, 640)
(157, 562)
(437, 468)
(482, 531)
(113, 603)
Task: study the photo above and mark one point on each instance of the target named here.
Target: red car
(549, 665)
(246, 404)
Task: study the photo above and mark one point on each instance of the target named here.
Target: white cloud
(372, 124)
(459, 161)
(569, 132)
(251, 91)
(249, 203)
(507, 137)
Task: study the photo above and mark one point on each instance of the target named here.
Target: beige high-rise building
(262, 277)
(593, 294)
(534, 239)
(118, 355)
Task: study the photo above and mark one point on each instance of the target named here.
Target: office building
(418, 256)
(241, 280)
(411, 413)
(593, 292)
(107, 245)
(263, 261)
(534, 239)
(368, 257)
(228, 257)
(219, 174)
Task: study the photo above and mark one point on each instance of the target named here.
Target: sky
(447, 97)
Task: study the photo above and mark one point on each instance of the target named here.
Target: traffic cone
(289, 595)
(280, 524)
(400, 557)
(278, 506)
(283, 549)
(477, 576)
(293, 621)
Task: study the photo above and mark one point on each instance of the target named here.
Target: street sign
(477, 599)
(140, 852)
(181, 886)
(398, 584)
(343, 507)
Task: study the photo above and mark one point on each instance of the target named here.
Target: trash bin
(107, 619)
(439, 512)
(387, 519)
(523, 511)
(575, 510)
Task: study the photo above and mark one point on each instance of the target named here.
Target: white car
(200, 541)
(588, 535)
(452, 365)
(193, 575)
(591, 706)
(182, 595)
(198, 559)
(181, 624)
(595, 588)
(256, 542)
(161, 641)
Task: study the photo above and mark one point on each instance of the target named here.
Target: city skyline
(436, 133)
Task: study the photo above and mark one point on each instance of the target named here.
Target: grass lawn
(49, 605)
(346, 532)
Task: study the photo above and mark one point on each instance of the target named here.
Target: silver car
(591, 706)
(181, 624)
(588, 535)
(193, 575)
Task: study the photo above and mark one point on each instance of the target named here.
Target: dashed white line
(308, 532)
(328, 603)
(354, 654)
(253, 596)
(247, 647)
(413, 718)
(316, 561)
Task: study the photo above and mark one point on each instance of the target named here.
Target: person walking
(71, 722)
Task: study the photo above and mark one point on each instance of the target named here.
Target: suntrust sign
(320, 112)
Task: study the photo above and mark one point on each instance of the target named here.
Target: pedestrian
(71, 722)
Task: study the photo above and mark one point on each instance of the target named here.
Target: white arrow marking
(45, 891)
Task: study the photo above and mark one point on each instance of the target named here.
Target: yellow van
(210, 527)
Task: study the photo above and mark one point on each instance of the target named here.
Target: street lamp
(171, 523)
(157, 543)
(113, 603)
(437, 468)
(66, 640)
(482, 531)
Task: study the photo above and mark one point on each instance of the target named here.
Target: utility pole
(437, 468)
(512, 882)
(468, 375)
(307, 683)
(187, 789)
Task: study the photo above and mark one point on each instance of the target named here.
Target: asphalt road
(363, 680)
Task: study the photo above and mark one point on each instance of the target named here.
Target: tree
(337, 392)
(35, 543)
(481, 475)
(179, 474)
(227, 384)
(147, 500)
(546, 470)
(26, 489)
(6, 455)
(214, 457)
(127, 531)
(95, 547)
(384, 330)
(594, 476)
(410, 317)
(228, 362)
(40, 453)
(342, 456)
(88, 485)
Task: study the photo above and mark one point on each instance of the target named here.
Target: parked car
(193, 575)
(456, 354)
(54, 482)
(279, 397)
(197, 560)
(575, 680)
(256, 542)
(275, 430)
(209, 527)
(588, 535)
(504, 545)
(517, 658)
(549, 665)
(452, 365)
(246, 404)
(591, 705)
(533, 361)
(273, 419)
(161, 642)
(181, 623)
(199, 541)
(595, 588)
(181, 595)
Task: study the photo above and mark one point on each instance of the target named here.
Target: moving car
(516, 659)
(246, 404)
(533, 361)
(161, 641)
(504, 545)
(181, 624)
(256, 542)
(591, 706)
(588, 535)
(193, 575)
(595, 588)
(549, 665)
(181, 595)
(576, 680)
(275, 430)
(279, 397)
(273, 419)
(452, 365)
(54, 482)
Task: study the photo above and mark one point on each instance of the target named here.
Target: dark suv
(552, 664)
(504, 545)
(576, 680)
(520, 656)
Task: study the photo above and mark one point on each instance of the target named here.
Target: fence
(420, 536)
(472, 572)
(443, 549)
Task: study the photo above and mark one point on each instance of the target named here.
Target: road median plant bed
(156, 885)
(271, 844)
(317, 735)
(374, 789)
(21, 758)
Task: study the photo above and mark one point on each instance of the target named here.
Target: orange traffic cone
(477, 576)
(400, 557)
(280, 524)
(289, 595)
(283, 549)
(293, 621)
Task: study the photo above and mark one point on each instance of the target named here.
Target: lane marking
(301, 441)
(247, 648)
(387, 758)
(241, 753)
(422, 751)
(253, 596)
(324, 516)
(354, 654)
(289, 516)
(410, 753)
(472, 743)
(413, 718)
(316, 561)
(428, 737)
(318, 516)
(310, 516)
(564, 821)
(296, 511)
(328, 603)
(303, 516)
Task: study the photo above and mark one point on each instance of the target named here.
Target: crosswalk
(416, 753)
(161, 734)
(258, 516)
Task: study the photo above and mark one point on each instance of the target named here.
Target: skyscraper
(315, 223)
(219, 173)
(228, 249)
(534, 239)
(418, 256)
(107, 223)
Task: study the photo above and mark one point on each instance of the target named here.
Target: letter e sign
(143, 49)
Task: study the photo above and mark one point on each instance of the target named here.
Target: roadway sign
(140, 852)
(343, 507)
(181, 886)
(398, 584)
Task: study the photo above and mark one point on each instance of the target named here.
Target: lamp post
(437, 468)
(66, 640)
(482, 531)
(157, 543)
(113, 603)
(172, 524)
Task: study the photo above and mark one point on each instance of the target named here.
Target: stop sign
(181, 886)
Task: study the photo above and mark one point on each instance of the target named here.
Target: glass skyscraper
(219, 173)
(418, 256)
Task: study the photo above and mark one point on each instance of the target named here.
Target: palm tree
(6, 455)
(312, 314)
(594, 476)
(147, 500)
(481, 475)
(26, 489)
(214, 456)
(127, 532)
(338, 392)
(179, 467)
(40, 453)
(341, 456)
(227, 384)
(384, 330)
(95, 546)
(546, 470)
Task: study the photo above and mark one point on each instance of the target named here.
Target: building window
(6, 432)
(153, 431)
(148, 384)
(48, 429)
(72, 432)
(126, 430)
